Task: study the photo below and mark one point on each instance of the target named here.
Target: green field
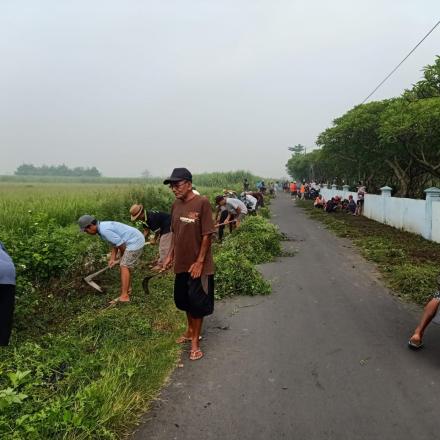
(76, 369)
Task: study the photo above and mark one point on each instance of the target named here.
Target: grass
(408, 262)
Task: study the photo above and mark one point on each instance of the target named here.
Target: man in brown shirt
(192, 226)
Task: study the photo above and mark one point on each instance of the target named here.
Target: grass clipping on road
(90, 371)
(408, 262)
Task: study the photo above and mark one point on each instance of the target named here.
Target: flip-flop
(414, 346)
(182, 339)
(195, 355)
(118, 301)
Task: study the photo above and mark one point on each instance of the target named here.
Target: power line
(415, 47)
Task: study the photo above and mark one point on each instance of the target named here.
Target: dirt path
(323, 357)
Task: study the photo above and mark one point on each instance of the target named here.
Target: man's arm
(114, 254)
(196, 268)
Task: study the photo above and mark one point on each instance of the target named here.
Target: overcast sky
(208, 84)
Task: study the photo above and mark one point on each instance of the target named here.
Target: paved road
(323, 357)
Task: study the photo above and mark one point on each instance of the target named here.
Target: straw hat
(136, 211)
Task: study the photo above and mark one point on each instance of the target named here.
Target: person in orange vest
(293, 189)
(302, 191)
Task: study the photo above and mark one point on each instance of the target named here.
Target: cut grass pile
(408, 262)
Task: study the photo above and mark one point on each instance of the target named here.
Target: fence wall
(418, 216)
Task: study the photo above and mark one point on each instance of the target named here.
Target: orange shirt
(293, 187)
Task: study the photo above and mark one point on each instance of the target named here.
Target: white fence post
(385, 192)
(334, 186)
(432, 195)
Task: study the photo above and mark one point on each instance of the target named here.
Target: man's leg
(125, 283)
(196, 353)
(7, 302)
(428, 313)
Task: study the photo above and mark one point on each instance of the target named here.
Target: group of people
(337, 203)
(302, 190)
(184, 237)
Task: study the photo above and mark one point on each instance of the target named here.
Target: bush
(257, 239)
(236, 275)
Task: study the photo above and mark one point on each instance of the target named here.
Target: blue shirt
(118, 233)
(7, 268)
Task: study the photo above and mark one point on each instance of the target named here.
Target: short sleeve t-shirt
(118, 234)
(190, 221)
(158, 221)
(232, 205)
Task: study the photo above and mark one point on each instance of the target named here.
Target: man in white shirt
(236, 208)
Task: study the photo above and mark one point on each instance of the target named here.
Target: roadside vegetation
(408, 262)
(76, 368)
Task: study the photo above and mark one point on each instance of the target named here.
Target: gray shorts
(130, 258)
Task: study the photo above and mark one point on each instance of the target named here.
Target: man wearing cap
(159, 223)
(125, 240)
(192, 227)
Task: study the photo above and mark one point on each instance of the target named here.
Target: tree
(297, 149)
(146, 174)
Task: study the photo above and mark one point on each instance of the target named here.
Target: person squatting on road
(160, 224)
(415, 341)
(125, 240)
(7, 295)
(192, 227)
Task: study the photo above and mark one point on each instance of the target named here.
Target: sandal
(182, 339)
(195, 355)
(118, 300)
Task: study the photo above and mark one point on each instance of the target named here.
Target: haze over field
(135, 85)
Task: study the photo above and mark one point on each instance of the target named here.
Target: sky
(136, 85)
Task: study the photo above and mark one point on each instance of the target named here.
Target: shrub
(236, 275)
(257, 239)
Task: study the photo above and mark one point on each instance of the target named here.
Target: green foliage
(236, 275)
(256, 241)
(56, 170)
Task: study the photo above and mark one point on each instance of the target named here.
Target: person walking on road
(429, 313)
(125, 240)
(7, 295)
(192, 227)
(160, 224)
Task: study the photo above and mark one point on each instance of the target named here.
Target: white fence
(418, 216)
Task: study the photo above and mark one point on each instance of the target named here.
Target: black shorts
(194, 295)
(360, 202)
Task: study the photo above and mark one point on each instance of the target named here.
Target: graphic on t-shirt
(192, 217)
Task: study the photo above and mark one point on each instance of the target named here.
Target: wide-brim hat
(177, 175)
(136, 211)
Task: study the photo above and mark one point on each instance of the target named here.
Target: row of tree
(56, 170)
(393, 142)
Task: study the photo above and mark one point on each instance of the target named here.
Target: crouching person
(125, 240)
(192, 227)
